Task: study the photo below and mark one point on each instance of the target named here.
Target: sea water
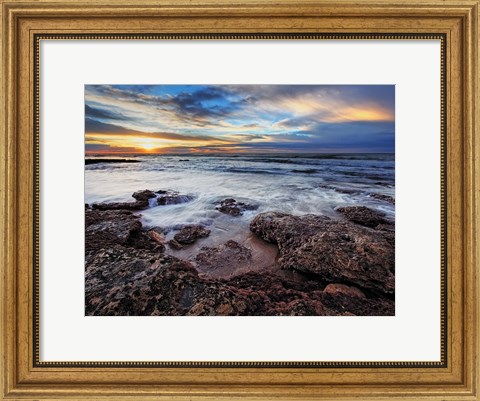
(292, 183)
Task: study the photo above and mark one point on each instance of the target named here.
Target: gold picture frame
(26, 23)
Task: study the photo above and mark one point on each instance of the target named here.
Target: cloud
(107, 149)
(93, 113)
(98, 128)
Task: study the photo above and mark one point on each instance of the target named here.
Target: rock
(346, 305)
(172, 198)
(138, 283)
(305, 171)
(157, 236)
(233, 208)
(118, 280)
(175, 245)
(188, 235)
(363, 215)
(386, 198)
(144, 195)
(141, 202)
(229, 255)
(138, 205)
(224, 310)
(104, 229)
(344, 289)
(330, 249)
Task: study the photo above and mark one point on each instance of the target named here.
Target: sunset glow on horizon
(182, 119)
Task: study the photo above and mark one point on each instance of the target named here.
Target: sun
(147, 144)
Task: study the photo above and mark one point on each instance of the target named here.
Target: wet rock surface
(234, 208)
(364, 216)
(141, 202)
(157, 235)
(138, 205)
(144, 195)
(227, 256)
(188, 235)
(168, 197)
(104, 229)
(385, 198)
(335, 251)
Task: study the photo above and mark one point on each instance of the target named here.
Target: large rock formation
(125, 283)
(334, 250)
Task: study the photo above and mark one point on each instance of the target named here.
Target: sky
(187, 119)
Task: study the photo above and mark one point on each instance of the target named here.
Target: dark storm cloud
(93, 112)
(99, 128)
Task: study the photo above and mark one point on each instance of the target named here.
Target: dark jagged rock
(233, 208)
(172, 198)
(188, 235)
(138, 205)
(344, 289)
(144, 195)
(141, 202)
(104, 229)
(231, 255)
(364, 216)
(118, 279)
(107, 228)
(142, 283)
(386, 198)
(335, 251)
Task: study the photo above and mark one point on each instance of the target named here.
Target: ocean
(291, 183)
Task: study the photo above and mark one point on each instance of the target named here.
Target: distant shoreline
(104, 160)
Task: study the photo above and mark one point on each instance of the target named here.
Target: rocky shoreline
(344, 266)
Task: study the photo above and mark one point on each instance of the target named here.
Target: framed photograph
(252, 200)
